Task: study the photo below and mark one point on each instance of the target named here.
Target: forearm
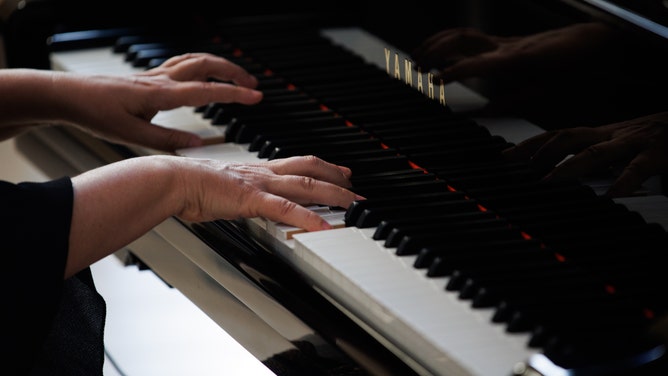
(29, 97)
(116, 204)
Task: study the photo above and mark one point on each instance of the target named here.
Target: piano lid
(648, 15)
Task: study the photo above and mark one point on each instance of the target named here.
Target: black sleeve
(35, 220)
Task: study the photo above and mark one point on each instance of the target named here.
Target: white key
(92, 61)
(423, 321)
(226, 152)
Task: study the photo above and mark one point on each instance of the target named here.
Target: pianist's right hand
(120, 108)
(134, 195)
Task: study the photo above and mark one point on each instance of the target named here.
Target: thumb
(165, 139)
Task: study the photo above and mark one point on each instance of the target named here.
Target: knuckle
(566, 134)
(593, 149)
(635, 168)
(286, 207)
(313, 160)
(308, 183)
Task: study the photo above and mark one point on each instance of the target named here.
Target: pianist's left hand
(637, 147)
(120, 108)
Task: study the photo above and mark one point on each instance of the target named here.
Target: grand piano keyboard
(458, 262)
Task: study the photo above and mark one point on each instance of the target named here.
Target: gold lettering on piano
(408, 72)
(408, 76)
(388, 53)
(441, 92)
(430, 85)
(397, 68)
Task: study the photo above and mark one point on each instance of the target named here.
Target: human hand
(120, 109)
(117, 203)
(275, 190)
(638, 147)
(466, 52)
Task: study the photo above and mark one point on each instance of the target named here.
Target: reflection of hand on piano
(462, 53)
(638, 146)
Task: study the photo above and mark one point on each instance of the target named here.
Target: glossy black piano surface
(580, 274)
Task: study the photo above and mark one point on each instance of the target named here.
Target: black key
(323, 148)
(269, 137)
(371, 218)
(385, 227)
(339, 141)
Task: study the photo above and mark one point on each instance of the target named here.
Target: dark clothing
(51, 326)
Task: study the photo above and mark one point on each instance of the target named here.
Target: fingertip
(324, 225)
(194, 141)
(509, 149)
(321, 224)
(253, 81)
(347, 172)
(253, 96)
(248, 81)
(548, 177)
(508, 153)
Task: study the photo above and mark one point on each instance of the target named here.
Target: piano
(458, 263)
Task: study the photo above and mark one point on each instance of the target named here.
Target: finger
(641, 168)
(465, 68)
(436, 55)
(175, 60)
(524, 150)
(428, 46)
(195, 93)
(485, 64)
(593, 159)
(564, 143)
(448, 46)
(314, 167)
(282, 210)
(308, 190)
(202, 66)
(158, 137)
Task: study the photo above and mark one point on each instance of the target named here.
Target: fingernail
(326, 226)
(195, 141)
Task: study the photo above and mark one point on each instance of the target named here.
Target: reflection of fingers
(432, 44)
(527, 148)
(633, 176)
(564, 143)
(473, 66)
(594, 158)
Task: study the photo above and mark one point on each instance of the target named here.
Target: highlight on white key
(283, 231)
